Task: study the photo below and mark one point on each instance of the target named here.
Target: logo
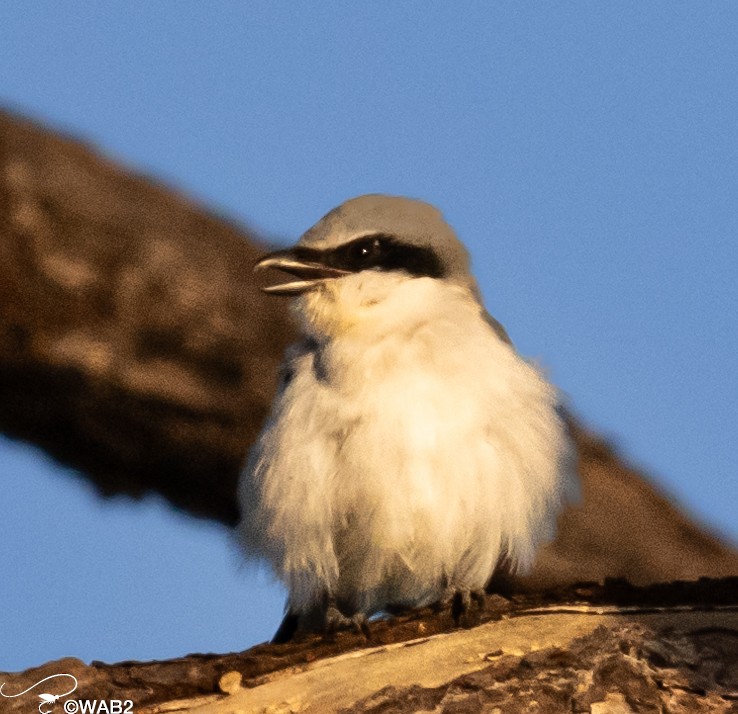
(47, 700)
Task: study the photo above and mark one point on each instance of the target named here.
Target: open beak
(304, 264)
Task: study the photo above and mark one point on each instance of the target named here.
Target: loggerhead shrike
(409, 449)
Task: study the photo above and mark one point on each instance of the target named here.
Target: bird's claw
(335, 620)
(463, 603)
(326, 618)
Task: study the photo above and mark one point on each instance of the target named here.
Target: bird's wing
(293, 356)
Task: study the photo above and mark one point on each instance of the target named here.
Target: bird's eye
(371, 247)
(366, 253)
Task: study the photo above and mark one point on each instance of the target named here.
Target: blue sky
(587, 153)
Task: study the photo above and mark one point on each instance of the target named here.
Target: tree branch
(671, 647)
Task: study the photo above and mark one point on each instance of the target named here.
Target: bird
(410, 451)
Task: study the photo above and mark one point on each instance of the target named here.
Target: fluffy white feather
(408, 450)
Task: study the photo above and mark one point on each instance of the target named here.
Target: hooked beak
(304, 263)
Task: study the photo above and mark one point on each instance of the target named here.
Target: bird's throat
(325, 313)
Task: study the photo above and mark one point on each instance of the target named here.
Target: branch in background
(135, 348)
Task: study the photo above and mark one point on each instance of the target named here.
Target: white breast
(408, 453)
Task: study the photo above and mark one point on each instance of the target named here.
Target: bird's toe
(463, 604)
(335, 620)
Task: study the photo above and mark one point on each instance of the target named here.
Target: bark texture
(134, 345)
(136, 348)
(611, 649)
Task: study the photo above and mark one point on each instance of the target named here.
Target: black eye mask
(376, 252)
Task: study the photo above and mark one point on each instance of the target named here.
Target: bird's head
(364, 255)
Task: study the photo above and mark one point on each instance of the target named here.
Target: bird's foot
(335, 620)
(326, 619)
(464, 602)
